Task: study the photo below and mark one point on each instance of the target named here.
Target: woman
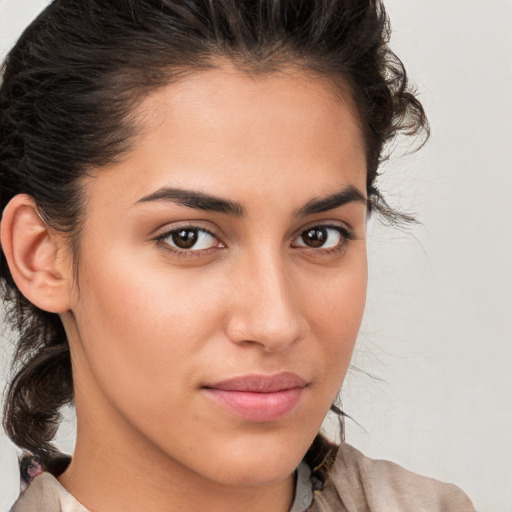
(185, 190)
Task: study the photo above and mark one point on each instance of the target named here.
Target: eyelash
(184, 253)
(346, 235)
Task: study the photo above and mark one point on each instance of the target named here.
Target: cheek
(334, 310)
(143, 326)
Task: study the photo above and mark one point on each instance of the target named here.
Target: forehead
(226, 129)
(226, 98)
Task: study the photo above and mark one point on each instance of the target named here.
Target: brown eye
(324, 237)
(190, 239)
(185, 238)
(315, 237)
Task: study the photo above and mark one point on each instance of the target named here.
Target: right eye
(324, 237)
(189, 239)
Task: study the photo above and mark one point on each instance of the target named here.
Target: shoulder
(40, 489)
(45, 493)
(356, 483)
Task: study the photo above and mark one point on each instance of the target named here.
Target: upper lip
(261, 383)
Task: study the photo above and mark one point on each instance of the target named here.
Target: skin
(148, 328)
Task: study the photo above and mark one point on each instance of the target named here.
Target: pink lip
(259, 398)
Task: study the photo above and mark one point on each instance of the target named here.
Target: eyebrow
(347, 195)
(195, 199)
(202, 201)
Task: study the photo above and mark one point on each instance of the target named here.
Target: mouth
(259, 398)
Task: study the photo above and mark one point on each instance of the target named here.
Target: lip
(259, 398)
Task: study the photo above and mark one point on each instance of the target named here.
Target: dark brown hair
(71, 83)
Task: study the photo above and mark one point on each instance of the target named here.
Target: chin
(255, 472)
(248, 463)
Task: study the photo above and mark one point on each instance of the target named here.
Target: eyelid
(342, 227)
(168, 230)
(200, 225)
(346, 233)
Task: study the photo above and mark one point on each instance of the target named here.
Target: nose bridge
(267, 312)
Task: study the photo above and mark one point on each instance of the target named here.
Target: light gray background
(438, 331)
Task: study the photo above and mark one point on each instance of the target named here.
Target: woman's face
(222, 277)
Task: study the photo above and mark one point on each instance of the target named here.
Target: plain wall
(435, 350)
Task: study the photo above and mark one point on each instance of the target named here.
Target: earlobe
(35, 256)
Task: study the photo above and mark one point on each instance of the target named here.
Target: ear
(36, 255)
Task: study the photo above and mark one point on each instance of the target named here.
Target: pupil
(315, 237)
(185, 239)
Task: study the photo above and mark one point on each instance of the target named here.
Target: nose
(266, 307)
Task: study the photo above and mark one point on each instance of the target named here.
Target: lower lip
(258, 407)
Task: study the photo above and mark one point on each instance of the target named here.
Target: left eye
(324, 237)
(194, 239)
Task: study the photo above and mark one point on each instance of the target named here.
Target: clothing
(359, 484)
(355, 484)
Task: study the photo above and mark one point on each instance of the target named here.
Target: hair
(69, 90)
